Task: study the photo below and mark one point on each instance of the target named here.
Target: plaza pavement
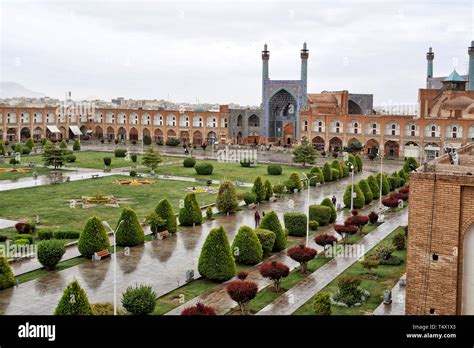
(159, 263)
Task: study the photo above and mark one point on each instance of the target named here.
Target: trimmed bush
(242, 292)
(146, 140)
(259, 189)
(267, 240)
(63, 144)
(26, 236)
(209, 213)
(274, 271)
(203, 168)
(173, 141)
(70, 158)
(399, 241)
(318, 172)
(345, 170)
(107, 161)
(334, 174)
(325, 239)
(322, 304)
(50, 253)
(327, 172)
(66, 234)
(227, 200)
(359, 162)
(394, 182)
(191, 213)
(352, 159)
(189, 162)
(364, 186)
(139, 300)
(373, 217)
(274, 169)
(246, 247)
(279, 189)
(216, 261)
(374, 187)
(271, 222)
(104, 308)
(165, 211)
(93, 238)
(359, 200)
(328, 203)
(313, 225)
(320, 213)
(250, 197)
(295, 223)
(23, 227)
(293, 183)
(268, 190)
(120, 152)
(74, 301)
(129, 233)
(22, 242)
(390, 202)
(198, 309)
(385, 184)
(77, 145)
(302, 254)
(134, 157)
(25, 150)
(7, 280)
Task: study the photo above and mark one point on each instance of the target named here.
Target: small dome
(459, 103)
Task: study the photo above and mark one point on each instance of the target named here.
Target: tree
(77, 145)
(198, 309)
(74, 301)
(191, 213)
(345, 231)
(63, 144)
(304, 153)
(368, 264)
(364, 186)
(242, 292)
(274, 271)
(216, 261)
(93, 238)
(385, 184)
(165, 211)
(227, 200)
(373, 217)
(322, 304)
(50, 252)
(302, 254)
(130, 232)
(30, 143)
(271, 222)
(268, 190)
(324, 239)
(54, 156)
(374, 187)
(259, 189)
(328, 203)
(156, 223)
(151, 159)
(7, 280)
(358, 201)
(139, 300)
(293, 183)
(390, 202)
(209, 213)
(246, 247)
(327, 173)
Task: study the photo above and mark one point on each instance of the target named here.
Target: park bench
(99, 255)
(167, 174)
(95, 176)
(238, 183)
(139, 175)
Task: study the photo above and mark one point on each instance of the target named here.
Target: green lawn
(51, 202)
(234, 171)
(18, 175)
(387, 278)
(357, 237)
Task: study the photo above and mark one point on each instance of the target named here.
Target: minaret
(470, 84)
(265, 58)
(429, 73)
(304, 73)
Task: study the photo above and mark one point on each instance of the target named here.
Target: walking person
(334, 200)
(257, 219)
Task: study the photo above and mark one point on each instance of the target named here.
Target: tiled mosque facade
(288, 114)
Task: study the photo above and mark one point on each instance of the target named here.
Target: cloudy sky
(210, 50)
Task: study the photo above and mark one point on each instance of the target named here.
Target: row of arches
(252, 121)
(392, 128)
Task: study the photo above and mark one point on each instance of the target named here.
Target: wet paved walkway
(397, 307)
(4, 223)
(159, 263)
(295, 297)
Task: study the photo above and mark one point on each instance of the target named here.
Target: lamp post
(307, 218)
(380, 154)
(351, 169)
(115, 260)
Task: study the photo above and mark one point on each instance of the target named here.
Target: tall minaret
(304, 73)
(265, 58)
(470, 84)
(429, 73)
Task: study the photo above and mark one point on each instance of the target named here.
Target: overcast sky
(211, 50)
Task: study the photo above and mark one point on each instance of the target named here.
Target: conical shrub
(216, 261)
(246, 247)
(93, 238)
(271, 222)
(130, 232)
(328, 203)
(359, 200)
(74, 301)
(227, 200)
(7, 280)
(191, 213)
(364, 186)
(374, 187)
(165, 211)
(259, 189)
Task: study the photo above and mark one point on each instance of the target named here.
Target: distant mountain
(15, 90)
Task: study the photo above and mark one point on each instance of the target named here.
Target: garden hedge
(246, 247)
(204, 168)
(93, 238)
(130, 232)
(120, 152)
(334, 174)
(327, 172)
(267, 240)
(7, 280)
(320, 213)
(374, 187)
(216, 261)
(385, 184)
(316, 171)
(293, 183)
(249, 197)
(271, 222)
(295, 223)
(359, 162)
